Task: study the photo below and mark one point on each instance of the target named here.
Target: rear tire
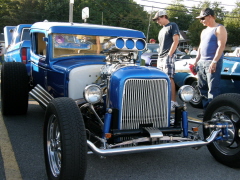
(225, 151)
(14, 88)
(65, 143)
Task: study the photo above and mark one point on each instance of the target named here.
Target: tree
(232, 24)
(4, 12)
(179, 14)
(196, 27)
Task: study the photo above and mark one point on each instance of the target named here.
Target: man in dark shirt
(168, 38)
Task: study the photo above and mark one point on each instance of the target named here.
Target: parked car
(97, 99)
(18, 40)
(230, 77)
(150, 54)
(185, 56)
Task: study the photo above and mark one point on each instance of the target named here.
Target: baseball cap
(205, 12)
(152, 40)
(159, 13)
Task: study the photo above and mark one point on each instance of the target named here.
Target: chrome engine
(120, 52)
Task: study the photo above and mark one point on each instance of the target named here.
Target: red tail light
(24, 55)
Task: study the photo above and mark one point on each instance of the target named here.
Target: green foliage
(195, 28)
(232, 24)
(179, 14)
(122, 13)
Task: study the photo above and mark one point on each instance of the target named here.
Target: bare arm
(221, 34)
(174, 45)
(199, 52)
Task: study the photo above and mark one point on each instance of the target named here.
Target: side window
(25, 34)
(39, 46)
(14, 35)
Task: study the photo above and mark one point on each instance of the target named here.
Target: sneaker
(173, 106)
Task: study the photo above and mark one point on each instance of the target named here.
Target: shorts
(167, 65)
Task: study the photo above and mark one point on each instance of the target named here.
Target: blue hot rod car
(98, 100)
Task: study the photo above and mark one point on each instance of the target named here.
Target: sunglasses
(203, 18)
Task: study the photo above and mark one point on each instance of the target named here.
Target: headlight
(186, 93)
(92, 93)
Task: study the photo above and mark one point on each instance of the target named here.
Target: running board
(139, 149)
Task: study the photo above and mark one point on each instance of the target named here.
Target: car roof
(86, 29)
(152, 45)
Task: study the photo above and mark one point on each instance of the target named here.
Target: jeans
(208, 83)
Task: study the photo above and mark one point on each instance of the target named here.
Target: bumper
(138, 149)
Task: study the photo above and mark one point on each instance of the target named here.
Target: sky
(228, 4)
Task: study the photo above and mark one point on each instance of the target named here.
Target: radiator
(145, 101)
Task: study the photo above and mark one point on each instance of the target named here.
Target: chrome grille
(145, 101)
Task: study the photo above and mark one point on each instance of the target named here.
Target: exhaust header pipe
(41, 95)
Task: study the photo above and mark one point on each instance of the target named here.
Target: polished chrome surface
(186, 93)
(145, 101)
(93, 110)
(154, 132)
(134, 142)
(41, 95)
(138, 149)
(54, 146)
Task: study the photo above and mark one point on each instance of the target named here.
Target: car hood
(67, 65)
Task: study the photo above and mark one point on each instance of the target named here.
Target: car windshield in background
(75, 45)
(152, 48)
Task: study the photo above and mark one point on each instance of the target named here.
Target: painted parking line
(194, 119)
(12, 171)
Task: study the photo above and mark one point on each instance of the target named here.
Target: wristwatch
(215, 62)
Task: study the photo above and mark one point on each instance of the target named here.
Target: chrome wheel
(54, 146)
(223, 112)
(230, 145)
(65, 143)
(197, 99)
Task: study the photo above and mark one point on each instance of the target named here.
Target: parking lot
(22, 156)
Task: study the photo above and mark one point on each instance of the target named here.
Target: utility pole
(71, 11)
(149, 23)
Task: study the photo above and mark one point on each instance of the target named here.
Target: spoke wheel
(54, 146)
(227, 149)
(65, 143)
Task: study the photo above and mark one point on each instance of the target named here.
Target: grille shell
(145, 101)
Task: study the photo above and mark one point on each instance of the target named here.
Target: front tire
(226, 151)
(65, 143)
(14, 88)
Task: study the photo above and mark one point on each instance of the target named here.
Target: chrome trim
(41, 95)
(145, 101)
(138, 149)
(93, 110)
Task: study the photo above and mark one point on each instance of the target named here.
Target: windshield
(75, 45)
(152, 48)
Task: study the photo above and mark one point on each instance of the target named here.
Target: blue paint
(86, 29)
(130, 44)
(120, 43)
(120, 76)
(140, 44)
(107, 123)
(185, 123)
